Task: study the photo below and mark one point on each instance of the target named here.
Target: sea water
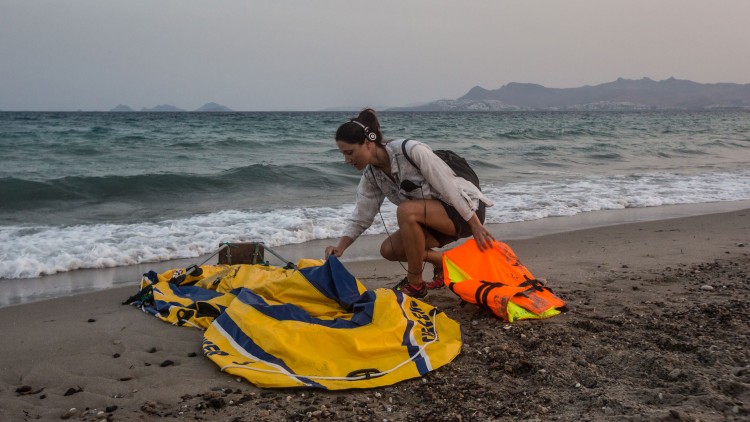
(100, 190)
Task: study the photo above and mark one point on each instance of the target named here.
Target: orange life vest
(496, 278)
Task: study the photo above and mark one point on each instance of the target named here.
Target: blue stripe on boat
(244, 341)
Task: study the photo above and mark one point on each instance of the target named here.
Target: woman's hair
(364, 126)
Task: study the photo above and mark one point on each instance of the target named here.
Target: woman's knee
(410, 211)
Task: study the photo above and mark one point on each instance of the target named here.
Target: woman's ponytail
(364, 127)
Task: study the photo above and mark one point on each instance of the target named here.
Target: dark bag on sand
(457, 163)
(242, 253)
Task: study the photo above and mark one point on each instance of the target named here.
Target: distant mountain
(212, 107)
(163, 107)
(170, 108)
(354, 108)
(622, 94)
(122, 107)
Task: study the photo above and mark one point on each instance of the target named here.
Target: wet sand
(657, 330)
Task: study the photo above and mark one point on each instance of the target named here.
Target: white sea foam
(33, 251)
(540, 199)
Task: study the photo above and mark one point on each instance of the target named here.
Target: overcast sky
(312, 55)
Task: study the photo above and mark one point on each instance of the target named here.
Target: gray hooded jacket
(431, 179)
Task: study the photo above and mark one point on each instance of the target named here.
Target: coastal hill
(163, 108)
(208, 107)
(213, 107)
(622, 94)
(122, 108)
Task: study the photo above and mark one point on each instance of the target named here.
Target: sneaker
(416, 292)
(438, 281)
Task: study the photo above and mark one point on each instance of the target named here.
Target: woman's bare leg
(411, 243)
(392, 249)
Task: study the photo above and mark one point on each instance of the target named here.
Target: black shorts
(462, 226)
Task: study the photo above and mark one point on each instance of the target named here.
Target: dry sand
(658, 329)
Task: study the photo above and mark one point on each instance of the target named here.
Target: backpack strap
(403, 149)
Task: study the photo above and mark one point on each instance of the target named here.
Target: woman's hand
(334, 250)
(339, 249)
(482, 236)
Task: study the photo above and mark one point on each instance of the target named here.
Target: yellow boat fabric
(496, 279)
(317, 327)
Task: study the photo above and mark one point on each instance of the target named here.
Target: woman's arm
(369, 199)
(339, 249)
(442, 179)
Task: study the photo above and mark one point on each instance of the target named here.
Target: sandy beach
(657, 330)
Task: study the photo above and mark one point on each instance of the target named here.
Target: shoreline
(14, 292)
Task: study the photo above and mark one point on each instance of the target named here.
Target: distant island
(213, 107)
(208, 107)
(122, 108)
(622, 94)
(163, 108)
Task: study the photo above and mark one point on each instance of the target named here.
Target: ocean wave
(524, 201)
(34, 250)
(605, 157)
(22, 193)
(550, 133)
(40, 250)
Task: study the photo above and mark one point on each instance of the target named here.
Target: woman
(435, 207)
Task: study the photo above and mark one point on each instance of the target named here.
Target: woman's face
(357, 155)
